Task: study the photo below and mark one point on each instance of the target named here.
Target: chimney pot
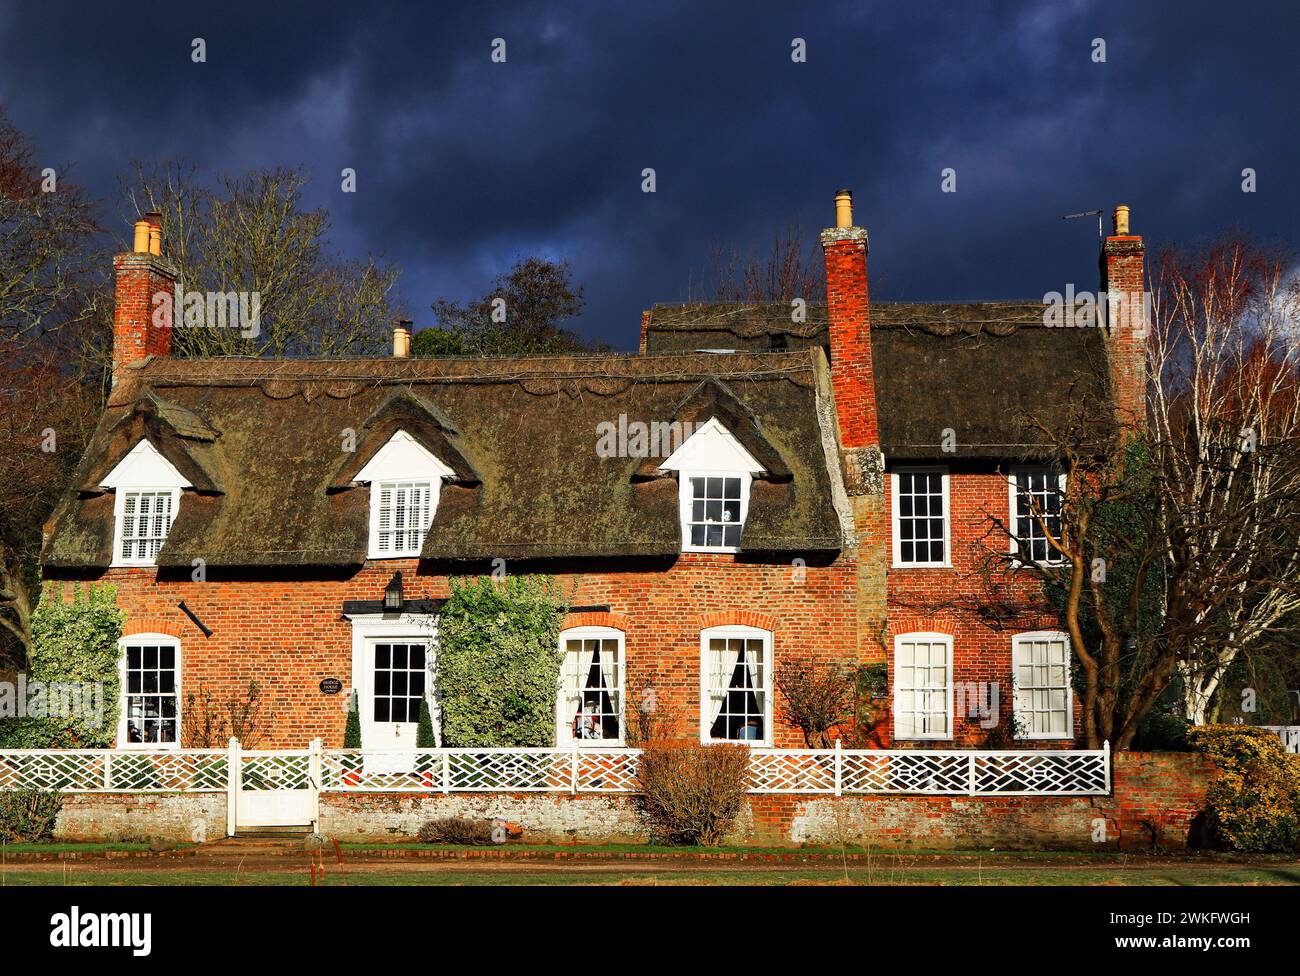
(843, 208)
(1121, 221)
(141, 243)
(154, 219)
(402, 339)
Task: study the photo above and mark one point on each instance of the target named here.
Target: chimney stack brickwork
(854, 388)
(1123, 279)
(850, 335)
(139, 277)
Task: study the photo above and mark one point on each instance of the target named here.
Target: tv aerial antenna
(1088, 213)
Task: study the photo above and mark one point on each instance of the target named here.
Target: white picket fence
(835, 772)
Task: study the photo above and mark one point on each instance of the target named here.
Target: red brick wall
(980, 610)
(139, 278)
(289, 634)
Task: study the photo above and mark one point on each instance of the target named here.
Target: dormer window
(405, 480)
(148, 492)
(714, 477)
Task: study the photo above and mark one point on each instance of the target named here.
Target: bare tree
(1225, 408)
(50, 392)
(1179, 547)
(789, 270)
(251, 233)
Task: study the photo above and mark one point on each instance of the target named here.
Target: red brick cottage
(755, 486)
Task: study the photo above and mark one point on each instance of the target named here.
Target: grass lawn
(88, 847)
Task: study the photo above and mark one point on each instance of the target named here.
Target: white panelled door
(398, 679)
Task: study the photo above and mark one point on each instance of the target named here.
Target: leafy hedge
(1254, 802)
(72, 642)
(28, 815)
(499, 661)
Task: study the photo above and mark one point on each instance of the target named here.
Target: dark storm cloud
(463, 164)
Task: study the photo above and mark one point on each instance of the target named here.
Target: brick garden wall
(1156, 796)
(180, 817)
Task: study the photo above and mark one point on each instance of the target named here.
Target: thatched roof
(263, 444)
(990, 371)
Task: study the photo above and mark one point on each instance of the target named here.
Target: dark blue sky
(463, 164)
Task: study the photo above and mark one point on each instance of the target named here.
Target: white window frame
(401, 462)
(119, 513)
(927, 637)
(563, 730)
(377, 489)
(123, 740)
(1054, 558)
(686, 499)
(731, 631)
(1043, 635)
(946, 562)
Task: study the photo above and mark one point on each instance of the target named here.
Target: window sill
(147, 746)
(594, 745)
(720, 550)
(922, 566)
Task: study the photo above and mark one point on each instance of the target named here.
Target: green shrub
(1254, 801)
(28, 815)
(72, 643)
(455, 830)
(499, 662)
(352, 731)
(424, 727)
(1162, 731)
(691, 793)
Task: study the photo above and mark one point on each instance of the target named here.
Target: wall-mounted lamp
(393, 592)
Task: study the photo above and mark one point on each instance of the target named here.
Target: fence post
(1106, 759)
(446, 770)
(573, 770)
(839, 769)
(314, 778)
(971, 785)
(233, 764)
(108, 769)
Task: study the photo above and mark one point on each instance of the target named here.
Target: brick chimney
(142, 273)
(854, 387)
(1123, 280)
(850, 327)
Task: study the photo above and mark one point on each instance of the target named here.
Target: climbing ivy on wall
(499, 661)
(75, 645)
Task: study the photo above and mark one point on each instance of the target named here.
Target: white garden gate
(274, 788)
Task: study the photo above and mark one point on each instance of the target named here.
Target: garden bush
(73, 643)
(499, 662)
(455, 830)
(691, 793)
(1254, 801)
(28, 815)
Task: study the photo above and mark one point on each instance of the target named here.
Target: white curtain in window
(754, 665)
(723, 655)
(586, 651)
(609, 665)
